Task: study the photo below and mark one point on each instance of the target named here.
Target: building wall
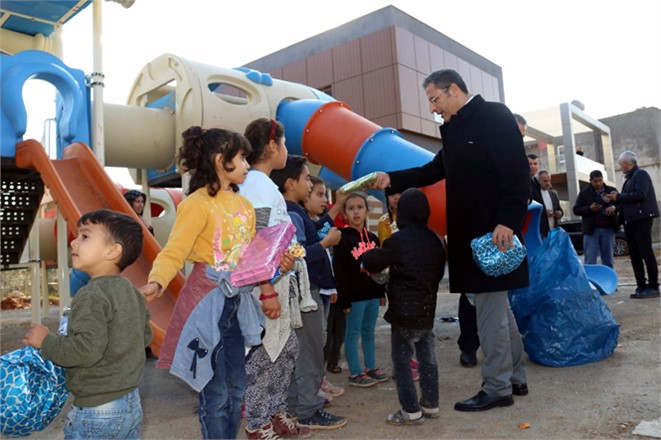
(376, 63)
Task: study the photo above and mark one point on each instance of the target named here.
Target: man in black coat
(638, 203)
(487, 182)
(598, 220)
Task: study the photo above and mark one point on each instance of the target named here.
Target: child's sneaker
(323, 420)
(331, 389)
(377, 374)
(362, 381)
(266, 432)
(285, 425)
(402, 418)
(430, 413)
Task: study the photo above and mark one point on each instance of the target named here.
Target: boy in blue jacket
(304, 401)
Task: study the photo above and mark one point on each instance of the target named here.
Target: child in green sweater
(103, 350)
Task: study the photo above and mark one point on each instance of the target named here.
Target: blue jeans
(119, 419)
(403, 342)
(221, 399)
(600, 242)
(361, 322)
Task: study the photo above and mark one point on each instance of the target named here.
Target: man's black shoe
(468, 359)
(648, 292)
(482, 402)
(520, 389)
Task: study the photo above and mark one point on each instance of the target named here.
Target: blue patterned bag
(494, 262)
(33, 392)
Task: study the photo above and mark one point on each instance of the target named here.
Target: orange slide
(79, 184)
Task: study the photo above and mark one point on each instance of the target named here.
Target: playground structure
(169, 95)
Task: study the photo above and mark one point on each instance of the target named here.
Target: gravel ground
(605, 399)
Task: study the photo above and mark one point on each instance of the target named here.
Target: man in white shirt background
(551, 201)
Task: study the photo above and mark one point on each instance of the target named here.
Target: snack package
(261, 258)
(494, 262)
(359, 184)
(33, 392)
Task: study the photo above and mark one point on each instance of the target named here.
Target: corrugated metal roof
(38, 17)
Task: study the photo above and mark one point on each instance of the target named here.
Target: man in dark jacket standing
(638, 204)
(416, 258)
(599, 220)
(487, 180)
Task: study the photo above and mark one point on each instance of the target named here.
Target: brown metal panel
(409, 90)
(424, 112)
(346, 61)
(422, 57)
(464, 70)
(377, 49)
(404, 48)
(487, 85)
(451, 60)
(429, 128)
(295, 72)
(411, 123)
(379, 89)
(276, 73)
(436, 58)
(388, 121)
(320, 69)
(350, 91)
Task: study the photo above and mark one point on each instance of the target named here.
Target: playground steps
(22, 191)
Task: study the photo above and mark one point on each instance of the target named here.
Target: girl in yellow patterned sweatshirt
(212, 320)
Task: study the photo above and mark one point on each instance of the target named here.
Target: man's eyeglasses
(433, 99)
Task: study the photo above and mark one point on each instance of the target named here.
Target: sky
(604, 53)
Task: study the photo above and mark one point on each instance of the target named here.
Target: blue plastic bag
(33, 392)
(562, 320)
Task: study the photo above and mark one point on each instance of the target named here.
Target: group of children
(252, 347)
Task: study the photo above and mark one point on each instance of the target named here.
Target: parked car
(573, 228)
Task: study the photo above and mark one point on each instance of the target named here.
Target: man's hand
(382, 181)
(36, 335)
(333, 298)
(595, 206)
(503, 238)
(610, 211)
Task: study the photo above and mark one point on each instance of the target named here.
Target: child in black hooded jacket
(416, 258)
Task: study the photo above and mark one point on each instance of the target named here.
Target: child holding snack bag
(359, 295)
(269, 367)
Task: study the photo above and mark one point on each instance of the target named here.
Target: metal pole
(96, 83)
(63, 273)
(35, 265)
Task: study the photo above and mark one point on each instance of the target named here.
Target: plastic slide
(603, 278)
(332, 135)
(79, 184)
